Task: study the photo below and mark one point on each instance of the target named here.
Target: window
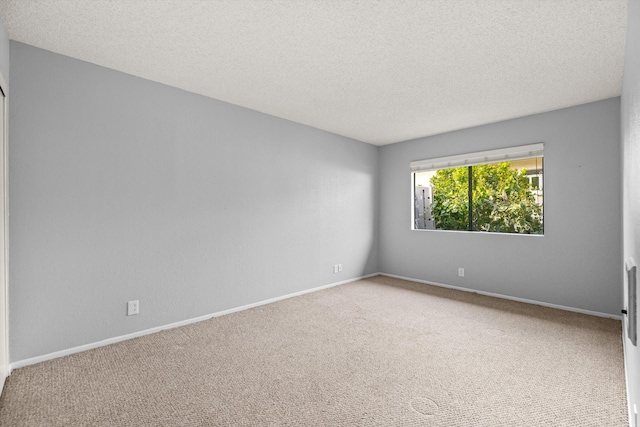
(493, 191)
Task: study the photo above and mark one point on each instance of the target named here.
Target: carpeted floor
(377, 352)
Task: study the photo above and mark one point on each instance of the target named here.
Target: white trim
(108, 341)
(61, 353)
(479, 157)
(626, 372)
(5, 213)
(476, 232)
(507, 297)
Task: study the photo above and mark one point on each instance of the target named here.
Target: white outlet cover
(133, 307)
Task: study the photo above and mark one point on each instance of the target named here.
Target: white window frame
(472, 159)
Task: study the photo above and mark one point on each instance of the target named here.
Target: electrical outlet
(339, 267)
(461, 272)
(335, 269)
(133, 307)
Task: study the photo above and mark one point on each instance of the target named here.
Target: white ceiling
(378, 71)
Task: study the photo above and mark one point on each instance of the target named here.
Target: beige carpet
(377, 352)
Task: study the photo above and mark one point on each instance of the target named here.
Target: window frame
(474, 159)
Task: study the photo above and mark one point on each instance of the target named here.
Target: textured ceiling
(377, 71)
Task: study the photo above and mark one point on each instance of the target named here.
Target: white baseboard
(85, 347)
(491, 294)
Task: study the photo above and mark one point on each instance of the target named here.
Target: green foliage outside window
(502, 200)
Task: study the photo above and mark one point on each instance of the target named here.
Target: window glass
(503, 197)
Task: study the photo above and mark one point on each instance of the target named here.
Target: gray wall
(630, 115)
(575, 264)
(125, 189)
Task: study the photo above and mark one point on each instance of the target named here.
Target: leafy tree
(503, 200)
(450, 207)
